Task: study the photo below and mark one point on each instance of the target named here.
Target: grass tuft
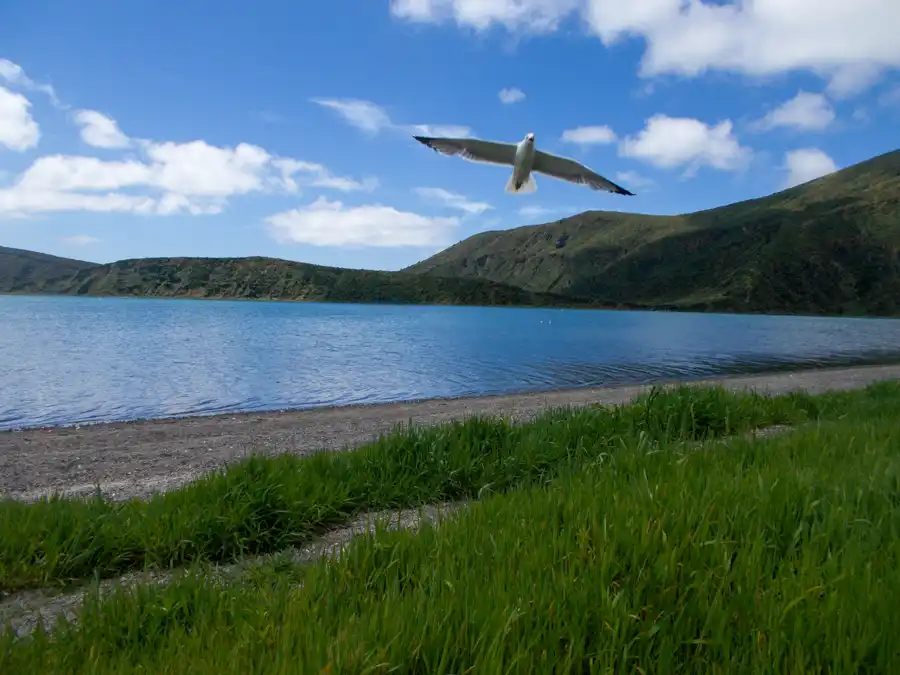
(641, 554)
(265, 504)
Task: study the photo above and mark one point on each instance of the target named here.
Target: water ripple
(86, 360)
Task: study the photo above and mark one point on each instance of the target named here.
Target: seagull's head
(530, 138)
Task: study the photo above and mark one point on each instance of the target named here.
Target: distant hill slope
(828, 246)
(270, 278)
(19, 267)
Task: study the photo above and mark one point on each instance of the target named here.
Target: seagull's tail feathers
(528, 187)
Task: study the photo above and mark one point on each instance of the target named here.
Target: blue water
(76, 360)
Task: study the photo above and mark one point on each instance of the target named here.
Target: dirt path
(22, 611)
(138, 458)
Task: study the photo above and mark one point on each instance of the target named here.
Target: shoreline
(789, 369)
(578, 305)
(137, 458)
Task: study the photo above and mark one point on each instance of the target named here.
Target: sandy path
(138, 458)
(23, 610)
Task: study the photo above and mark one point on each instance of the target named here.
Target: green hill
(20, 268)
(829, 246)
(270, 278)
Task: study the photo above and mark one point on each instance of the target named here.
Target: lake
(76, 360)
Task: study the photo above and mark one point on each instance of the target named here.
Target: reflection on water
(68, 360)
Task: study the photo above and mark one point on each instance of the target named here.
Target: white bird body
(521, 182)
(524, 159)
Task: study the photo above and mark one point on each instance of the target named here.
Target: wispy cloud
(595, 135)
(14, 75)
(806, 111)
(373, 118)
(634, 179)
(512, 95)
(452, 200)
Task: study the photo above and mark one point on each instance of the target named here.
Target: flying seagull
(524, 159)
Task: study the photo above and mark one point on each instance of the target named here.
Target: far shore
(576, 305)
(136, 459)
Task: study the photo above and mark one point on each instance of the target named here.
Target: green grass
(267, 504)
(652, 556)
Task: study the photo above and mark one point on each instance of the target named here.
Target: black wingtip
(426, 141)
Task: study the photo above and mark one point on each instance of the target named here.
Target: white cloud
(19, 203)
(160, 178)
(80, 240)
(197, 168)
(807, 164)
(100, 131)
(536, 211)
(18, 130)
(194, 177)
(633, 179)
(331, 223)
(316, 176)
(809, 112)
(846, 42)
(513, 95)
(372, 118)
(537, 16)
(853, 78)
(670, 142)
(452, 200)
(446, 130)
(15, 76)
(67, 173)
(344, 184)
(596, 135)
(363, 115)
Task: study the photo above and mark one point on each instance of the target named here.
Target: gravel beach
(129, 459)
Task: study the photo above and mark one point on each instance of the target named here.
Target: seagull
(524, 159)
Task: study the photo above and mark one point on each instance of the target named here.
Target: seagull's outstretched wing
(570, 170)
(472, 149)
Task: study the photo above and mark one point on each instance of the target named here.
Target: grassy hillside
(828, 246)
(831, 246)
(694, 530)
(20, 268)
(269, 278)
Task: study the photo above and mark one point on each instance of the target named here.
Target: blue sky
(283, 128)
